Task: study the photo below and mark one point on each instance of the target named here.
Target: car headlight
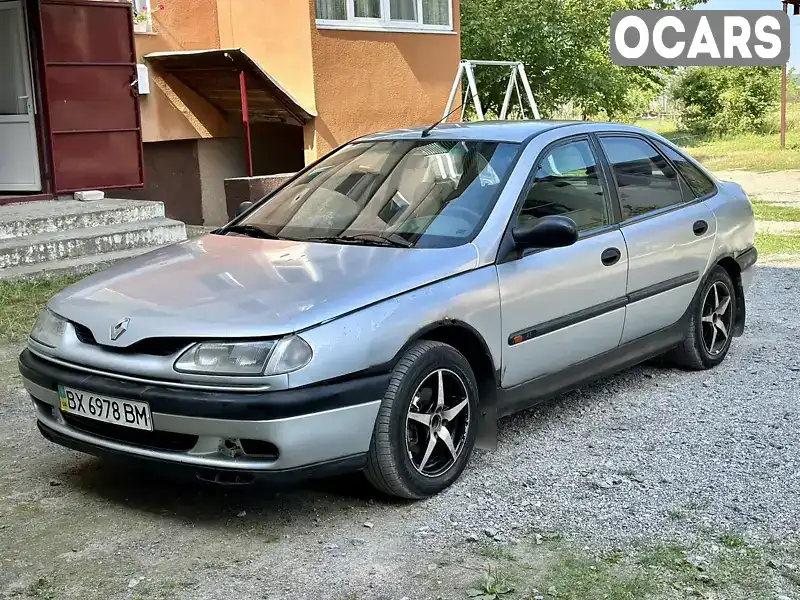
(48, 329)
(290, 353)
(245, 358)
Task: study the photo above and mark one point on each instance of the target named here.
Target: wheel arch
(728, 262)
(469, 342)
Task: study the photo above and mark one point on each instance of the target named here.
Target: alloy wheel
(717, 318)
(437, 423)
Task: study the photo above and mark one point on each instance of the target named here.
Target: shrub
(727, 99)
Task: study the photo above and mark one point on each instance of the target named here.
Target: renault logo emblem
(120, 328)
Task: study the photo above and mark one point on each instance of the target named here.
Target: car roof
(496, 131)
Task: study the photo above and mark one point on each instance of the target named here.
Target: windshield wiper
(252, 231)
(363, 237)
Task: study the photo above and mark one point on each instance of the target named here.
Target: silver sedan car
(387, 305)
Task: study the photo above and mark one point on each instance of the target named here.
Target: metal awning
(216, 75)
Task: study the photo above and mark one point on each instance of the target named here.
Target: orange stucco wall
(369, 81)
(356, 81)
(170, 111)
(277, 35)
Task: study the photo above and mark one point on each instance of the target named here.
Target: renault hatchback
(387, 305)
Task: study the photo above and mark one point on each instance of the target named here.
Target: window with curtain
(367, 9)
(403, 10)
(436, 12)
(384, 14)
(335, 10)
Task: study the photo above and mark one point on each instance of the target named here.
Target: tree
(564, 45)
(727, 99)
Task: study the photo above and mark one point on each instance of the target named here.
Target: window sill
(345, 26)
(145, 33)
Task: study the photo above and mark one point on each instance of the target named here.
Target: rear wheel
(711, 323)
(426, 425)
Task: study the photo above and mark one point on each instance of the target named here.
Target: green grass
(669, 557)
(730, 570)
(573, 577)
(754, 152)
(732, 539)
(775, 212)
(21, 302)
(773, 243)
(494, 585)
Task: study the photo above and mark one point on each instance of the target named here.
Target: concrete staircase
(61, 237)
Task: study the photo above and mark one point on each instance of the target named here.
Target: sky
(794, 60)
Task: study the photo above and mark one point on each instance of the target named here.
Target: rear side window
(645, 180)
(566, 182)
(700, 184)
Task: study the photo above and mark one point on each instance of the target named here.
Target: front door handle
(610, 256)
(700, 227)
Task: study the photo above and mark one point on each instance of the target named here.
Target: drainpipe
(246, 123)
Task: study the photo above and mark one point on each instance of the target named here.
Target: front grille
(84, 334)
(155, 440)
(154, 346)
(158, 346)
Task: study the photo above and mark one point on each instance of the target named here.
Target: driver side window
(567, 182)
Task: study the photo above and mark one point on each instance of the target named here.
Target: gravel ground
(650, 455)
(656, 449)
(781, 187)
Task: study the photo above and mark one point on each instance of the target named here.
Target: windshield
(404, 193)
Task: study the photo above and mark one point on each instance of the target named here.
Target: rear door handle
(610, 256)
(700, 227)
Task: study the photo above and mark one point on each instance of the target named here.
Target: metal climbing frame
(467, 67)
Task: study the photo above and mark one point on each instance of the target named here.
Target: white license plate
(127, 413)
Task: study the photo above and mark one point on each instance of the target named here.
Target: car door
(563, 305)
(669, 233)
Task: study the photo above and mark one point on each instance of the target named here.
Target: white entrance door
(19, 157)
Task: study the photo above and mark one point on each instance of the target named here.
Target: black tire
(693, 353)
(389, 466)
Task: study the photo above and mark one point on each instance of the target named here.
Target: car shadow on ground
(159, 491)
(182, 496)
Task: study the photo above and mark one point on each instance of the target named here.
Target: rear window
(700, 184)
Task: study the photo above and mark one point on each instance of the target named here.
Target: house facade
(206, 90)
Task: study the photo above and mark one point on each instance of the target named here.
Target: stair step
(49, 247)
(50, 216)
(83, 265)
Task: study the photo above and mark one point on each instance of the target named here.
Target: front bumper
(313, 430)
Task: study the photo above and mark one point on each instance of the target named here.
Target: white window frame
(385, 23)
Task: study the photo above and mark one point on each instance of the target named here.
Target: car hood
(233, 287)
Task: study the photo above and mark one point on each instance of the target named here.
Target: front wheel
(426, 426)
(710, 330)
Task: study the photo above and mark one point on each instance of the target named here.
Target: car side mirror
(554, 231)
(243, 208)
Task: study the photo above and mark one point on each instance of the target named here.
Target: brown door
(93, 112)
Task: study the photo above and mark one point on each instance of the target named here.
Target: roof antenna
(426, 132)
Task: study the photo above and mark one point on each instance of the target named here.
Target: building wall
(188, 176)
(277, 35)
(357, 81)
(277, 148)
(171, 111)
(172, 176)
(369, 81)
(218, 159)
